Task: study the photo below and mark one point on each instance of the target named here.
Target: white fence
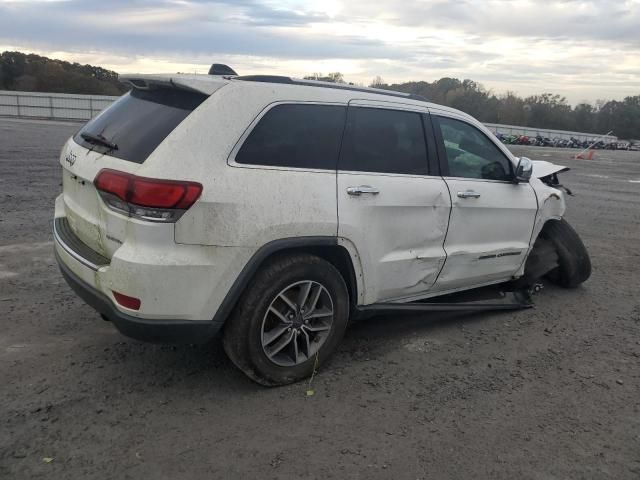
(61, 106)
(545, 132)
(57, 106)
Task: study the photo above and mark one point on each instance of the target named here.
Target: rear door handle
(356, 191)
(468, 194)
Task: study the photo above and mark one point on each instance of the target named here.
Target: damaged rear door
(491, 216)
(391, 203)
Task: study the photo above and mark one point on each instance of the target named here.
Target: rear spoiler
(196, 83)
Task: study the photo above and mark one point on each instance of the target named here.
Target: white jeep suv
(272, 210)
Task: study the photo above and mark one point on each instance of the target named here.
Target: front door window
(470, 154)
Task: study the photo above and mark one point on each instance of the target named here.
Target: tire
(573, 259)
(268, 314)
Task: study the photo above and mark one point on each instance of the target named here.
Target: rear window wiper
(99, 140)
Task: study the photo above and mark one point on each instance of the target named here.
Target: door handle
(356, 191)
(468, 194)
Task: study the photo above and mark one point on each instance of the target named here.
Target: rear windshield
(138, 122)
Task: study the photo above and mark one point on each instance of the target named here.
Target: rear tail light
(147, 198)
(126, 301)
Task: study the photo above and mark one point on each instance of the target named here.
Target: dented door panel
(489, 235)
(399, 232)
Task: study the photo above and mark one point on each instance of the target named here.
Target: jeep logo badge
(70, 158)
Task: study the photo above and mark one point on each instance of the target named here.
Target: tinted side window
(139, 121)
(470, 154)
(386, 141)
(303, 136)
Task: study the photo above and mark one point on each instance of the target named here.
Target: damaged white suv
(273, 210)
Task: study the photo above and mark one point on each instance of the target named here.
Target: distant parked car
(543, 141)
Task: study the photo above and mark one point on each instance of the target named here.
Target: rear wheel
(574, 264)
(289, 321)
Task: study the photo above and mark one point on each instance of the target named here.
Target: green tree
(20, 71)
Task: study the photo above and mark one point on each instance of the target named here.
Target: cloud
(603, 20)
(587, 48)
(148, 27)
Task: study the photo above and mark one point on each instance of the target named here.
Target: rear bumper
(148, 330)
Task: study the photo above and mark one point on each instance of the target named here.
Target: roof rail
(265, 78)
(317, 83)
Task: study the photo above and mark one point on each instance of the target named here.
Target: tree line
(33, 73)
(30, 72)
(545, 110)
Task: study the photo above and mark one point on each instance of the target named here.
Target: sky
(582, 49)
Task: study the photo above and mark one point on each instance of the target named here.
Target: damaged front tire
(574, 264)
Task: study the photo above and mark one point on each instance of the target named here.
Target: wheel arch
(551, 207)
(327, 248)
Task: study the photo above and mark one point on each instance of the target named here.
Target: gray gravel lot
(549, 393)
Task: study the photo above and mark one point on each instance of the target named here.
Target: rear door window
(296, 135)
(139, 121)
(385, 141)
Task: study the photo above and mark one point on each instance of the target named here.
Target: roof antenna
(221, 69)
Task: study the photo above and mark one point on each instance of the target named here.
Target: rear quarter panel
(243, 206)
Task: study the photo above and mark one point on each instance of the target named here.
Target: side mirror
(524, 170)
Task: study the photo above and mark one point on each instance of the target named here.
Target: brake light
(147, 198)
(126, 301)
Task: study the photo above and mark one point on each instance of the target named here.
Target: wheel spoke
(286, 300)
(317, 328)
(279, 345)
(303, 295)
(305, 338)
(269, 337)
(321, 313)
(282, 318)
(296, 353)
(314, 300)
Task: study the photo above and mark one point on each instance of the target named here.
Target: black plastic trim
(256, 261)
(432, 145)
(489, 298)
(442, 152)
(438, 307)
(265, 78)
(75, 247)
(148, 330)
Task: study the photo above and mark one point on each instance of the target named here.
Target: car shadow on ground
(199, 367)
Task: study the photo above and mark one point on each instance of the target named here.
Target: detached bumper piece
(148, 330)
(478, 300)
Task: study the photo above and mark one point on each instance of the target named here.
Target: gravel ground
(548, 393)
